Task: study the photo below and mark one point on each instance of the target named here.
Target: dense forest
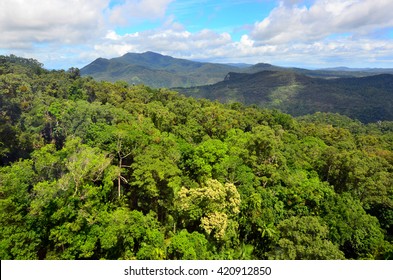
(100, 170)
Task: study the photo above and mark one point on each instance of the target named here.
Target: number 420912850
(244, 271)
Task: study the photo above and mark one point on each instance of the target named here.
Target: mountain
(157, 70)
(367, 99)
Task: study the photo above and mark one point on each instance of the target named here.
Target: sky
(310, 34)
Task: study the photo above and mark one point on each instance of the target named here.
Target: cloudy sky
(310, 33)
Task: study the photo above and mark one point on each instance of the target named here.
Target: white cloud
(26, 22)
(298, 23)
(23, 23)
(171, 40)
(62, 33)
(208, 45)
(130, 10)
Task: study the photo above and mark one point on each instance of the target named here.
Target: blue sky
(310, 33)
(222, 16)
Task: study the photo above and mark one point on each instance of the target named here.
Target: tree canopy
(99, 170)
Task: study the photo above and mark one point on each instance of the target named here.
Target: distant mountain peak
(147, 53)
(261, 64)
(152, 53)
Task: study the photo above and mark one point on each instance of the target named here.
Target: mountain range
(365, 94)
(157, 70)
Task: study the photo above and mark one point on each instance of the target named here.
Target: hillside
(156, 70)
(367, 99)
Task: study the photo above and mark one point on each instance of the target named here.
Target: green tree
(357, 233)
(304, 238)
(188, 246)
(18, 236)
(214, 205)
(155, 178)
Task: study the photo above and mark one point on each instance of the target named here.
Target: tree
(18, 236)
(304, 238)
(206, 158)
(214, 205)
(188, 246)
(74, 73)
(155, 175)
(356, 233)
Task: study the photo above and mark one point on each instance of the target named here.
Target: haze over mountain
(364, 70)
(327, 73)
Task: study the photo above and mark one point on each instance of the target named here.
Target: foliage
(304, 238)
(100, 170)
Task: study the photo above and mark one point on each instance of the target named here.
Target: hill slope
(366, 98)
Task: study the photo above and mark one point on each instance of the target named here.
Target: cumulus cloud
(23, 23)
(173, 39)
(60, 33)
(130, 10)
(299, 23)
(26, 22)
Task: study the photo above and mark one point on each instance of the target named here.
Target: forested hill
(100, 170)
(368, 99)
(156, 70)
